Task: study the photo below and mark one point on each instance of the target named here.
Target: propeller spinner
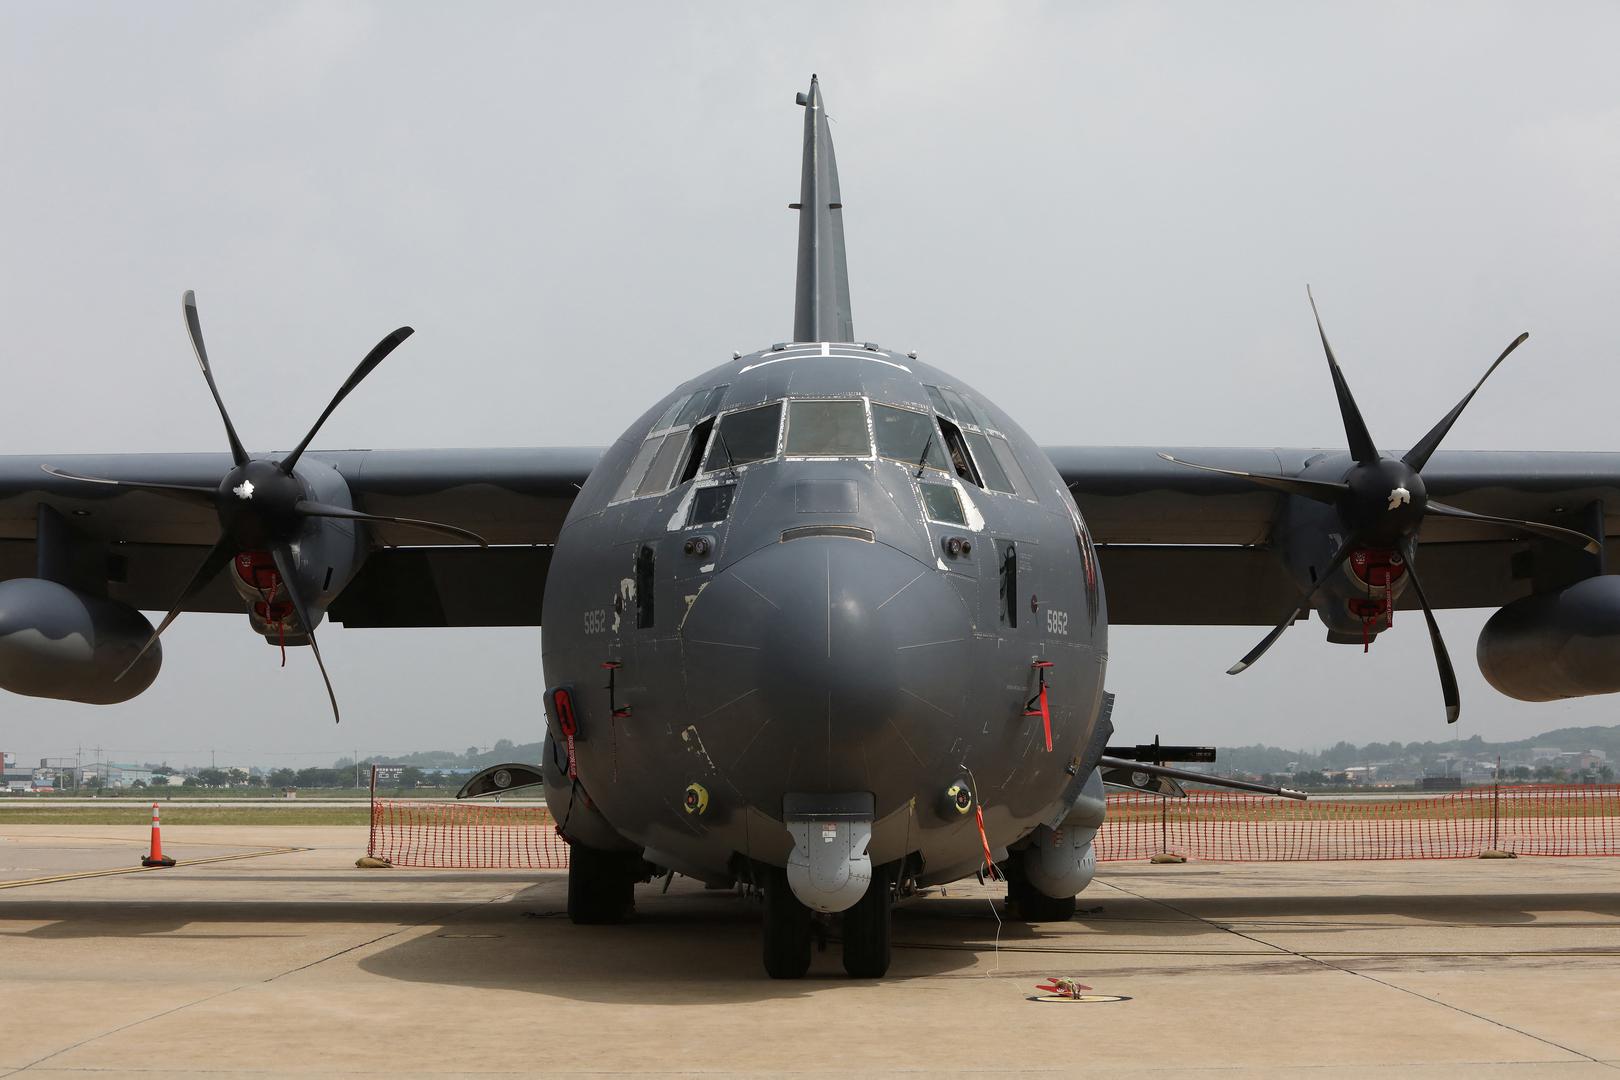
(261, 503)
(1381, 503)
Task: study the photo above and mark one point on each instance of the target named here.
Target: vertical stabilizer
(821, 298)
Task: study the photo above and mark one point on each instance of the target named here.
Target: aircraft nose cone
(824, 661)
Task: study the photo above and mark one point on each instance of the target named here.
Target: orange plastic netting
(1213, 826)
(1221, 826)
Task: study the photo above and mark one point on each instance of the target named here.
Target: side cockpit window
(676, 442)
(979, 454)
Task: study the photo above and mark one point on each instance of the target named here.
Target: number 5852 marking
(1057, 621)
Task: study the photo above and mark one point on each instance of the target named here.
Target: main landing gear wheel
(1029, 904)
(601, 885)
(867, 931)
(787, 929)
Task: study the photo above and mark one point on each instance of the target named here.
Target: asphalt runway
(267, 953)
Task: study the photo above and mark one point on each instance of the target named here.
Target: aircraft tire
(1029, 904)
(868, 931)
(787, 929)
(601, 887)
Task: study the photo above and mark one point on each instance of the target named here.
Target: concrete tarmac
(266, 953)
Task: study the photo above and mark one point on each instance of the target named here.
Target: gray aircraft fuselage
(809, 584)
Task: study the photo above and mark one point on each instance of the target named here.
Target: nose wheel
(787, 929)
(601, 885)
(867, 930)
(1029, 904)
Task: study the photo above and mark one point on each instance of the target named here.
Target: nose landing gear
(602, 885)
(787, 929)
(790, 929)
(867, 929)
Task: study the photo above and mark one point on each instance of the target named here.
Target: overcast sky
(1102, 215)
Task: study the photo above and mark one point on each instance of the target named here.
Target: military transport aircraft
(824, 621)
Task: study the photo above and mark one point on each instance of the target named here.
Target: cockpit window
(828, 428)
(1004, 454)
(939, 400)
(903, 435)
(638, 467)
(701, 404)
(943, 503)
(956, 447)
(656, 482)
(995, 477)
(959, 407)
(749, 435)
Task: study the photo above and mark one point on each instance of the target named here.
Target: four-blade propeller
(262, 504)
(1381, 502)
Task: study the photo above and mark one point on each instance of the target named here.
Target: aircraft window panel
(956, 446)
(828, 428)
(668, 419)
(638, 467)
(662, 469)
(939, 400)
(995, 477)
(696, 446)
(943, 503)
(716, 396)
(1009, 464)
(976, 412)
(695, 406)
(748, 435)
(711, 504)
(903, 435)
(959, 408)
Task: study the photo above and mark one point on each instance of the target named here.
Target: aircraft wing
(516, 499)
(1185, 546)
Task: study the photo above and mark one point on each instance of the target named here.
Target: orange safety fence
(1213, 826)
(470, 835)
(1223, 826)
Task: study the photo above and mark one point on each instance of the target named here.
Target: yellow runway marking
(141, 869)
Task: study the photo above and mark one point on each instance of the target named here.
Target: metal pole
(1496, 806)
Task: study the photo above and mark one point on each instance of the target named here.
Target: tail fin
(821, 300)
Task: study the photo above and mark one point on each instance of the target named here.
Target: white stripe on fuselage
(803, 353)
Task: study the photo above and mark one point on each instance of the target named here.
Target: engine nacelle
(1556, 645)
(56, 642)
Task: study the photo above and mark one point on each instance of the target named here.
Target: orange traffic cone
(156, 856)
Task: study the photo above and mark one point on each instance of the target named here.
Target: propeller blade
(315, 509)
(1551, 532)
(221, 553)
(194, 328)
(289, 581)
(1442, 659)
(1355, 428)
(1303, 606)
(1322, 491)
(205, 493)
(1418, 456)
(377, 355)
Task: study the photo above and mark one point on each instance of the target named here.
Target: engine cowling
(56, 642)
(1556, 645)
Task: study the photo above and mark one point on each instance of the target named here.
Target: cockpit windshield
(749, 435)
(828, 429)
(904, 435)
